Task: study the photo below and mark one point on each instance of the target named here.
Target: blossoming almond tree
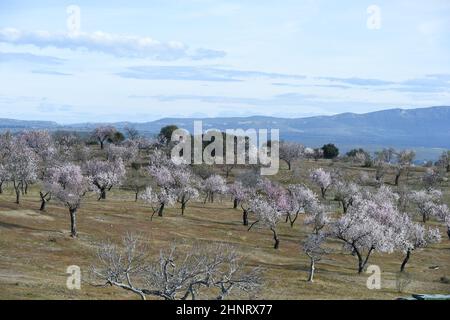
(267, 215)
(104, 175)
(369, 226)
(427, 203)
(213, 185)
(69, 186)
(302, 199)
(158, 199)
(413, 236)
(313, 247)
(322, 179)
(185, 186)
(22, 166)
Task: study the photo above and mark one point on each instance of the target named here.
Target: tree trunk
(312, 268)
(1, 187)
(102, 144)
(136, 196)
(183, 207)
(235, 203)
(102, 194)
(245, 217)
(397, 179)
(275, 238)
(344, 206)
(73, 223)
(289, 165)
(17, 190)
(405, 261)
(448, 231)
(161, 209)
(323, 192)
(43, 203)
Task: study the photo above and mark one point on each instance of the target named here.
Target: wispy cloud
(359, 81)
(29, 58)
(198, 73)
(113, 44)
(50, 72)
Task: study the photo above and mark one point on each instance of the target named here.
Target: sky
(79, 61)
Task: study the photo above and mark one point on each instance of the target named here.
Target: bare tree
(199, 272)
(313, 248)
(290, 151)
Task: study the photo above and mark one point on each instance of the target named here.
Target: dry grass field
(35, 247)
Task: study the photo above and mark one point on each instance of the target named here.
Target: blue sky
(144, 60)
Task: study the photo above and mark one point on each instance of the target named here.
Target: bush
(330, 151)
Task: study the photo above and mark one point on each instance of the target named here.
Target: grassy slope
(35, 248)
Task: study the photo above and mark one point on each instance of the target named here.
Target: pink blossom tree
(213, 185)
(267, 215)
(302, 200)
(185, 186)
(104, 175)
(103, 133)
(368, 226)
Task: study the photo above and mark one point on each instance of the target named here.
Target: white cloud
(113, 44)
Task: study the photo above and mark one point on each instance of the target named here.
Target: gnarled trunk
(245, 217)
(73, 222)
(405, 261)
(312, 269)
(275, 238)
(161, 210)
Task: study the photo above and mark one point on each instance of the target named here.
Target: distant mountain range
(426, 129)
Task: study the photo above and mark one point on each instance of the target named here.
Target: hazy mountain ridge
(421, 128)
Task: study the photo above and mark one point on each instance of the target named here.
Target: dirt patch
(25, 214)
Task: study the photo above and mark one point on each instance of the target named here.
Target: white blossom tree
(428, 203)
(413, 236)
(313, 247)
(104, 175)
(345, 193)
(69, 186)
(4, 177)
(158, 199)
(22, 166)
(322, 179)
